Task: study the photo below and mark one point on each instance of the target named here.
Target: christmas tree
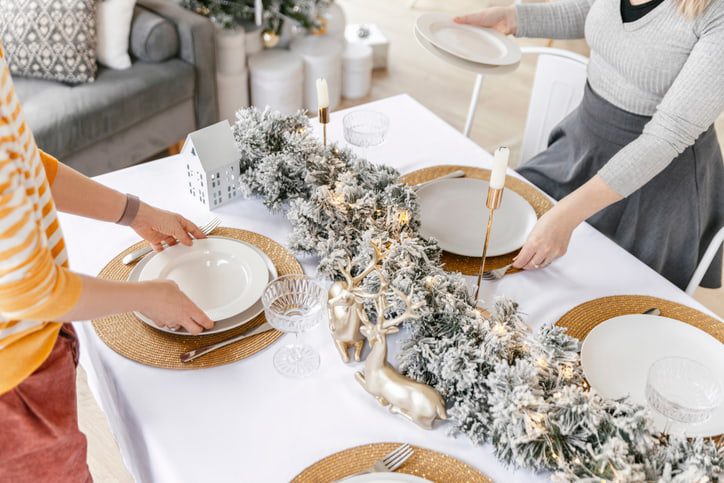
(228, 13)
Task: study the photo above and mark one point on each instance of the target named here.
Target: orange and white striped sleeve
(50, 165)
(32, 285)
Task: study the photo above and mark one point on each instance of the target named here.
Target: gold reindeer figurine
(344, 299)
(418, 402)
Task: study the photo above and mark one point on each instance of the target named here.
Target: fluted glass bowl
(683, 390)
(365, 128)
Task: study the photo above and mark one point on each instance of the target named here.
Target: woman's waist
(607, 120)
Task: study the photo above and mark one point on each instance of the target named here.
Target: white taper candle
(500, 166)
(258, 11)
(322, 93)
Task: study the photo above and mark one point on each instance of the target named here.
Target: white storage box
(322, 58)
(230, 50)
(371, 35)
(253, 41)
(233, 92)
(356, 70)
(277, 80)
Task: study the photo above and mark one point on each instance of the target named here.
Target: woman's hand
(157, 226)
(168, 306)
(551, 235)
(502, 19)
(548, 240)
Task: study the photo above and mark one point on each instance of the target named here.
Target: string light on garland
(497, 378)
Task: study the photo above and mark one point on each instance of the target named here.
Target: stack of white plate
(480, 50)
(223, 276)
(453, 212)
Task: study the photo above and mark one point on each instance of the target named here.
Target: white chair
(560, 78)
(705, 261)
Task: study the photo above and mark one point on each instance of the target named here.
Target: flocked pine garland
(503, 385)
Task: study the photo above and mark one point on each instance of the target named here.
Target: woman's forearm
(586, 201)
(100, 297)
(161, 300)
(75, 193)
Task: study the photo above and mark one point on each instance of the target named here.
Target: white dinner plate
(473, 67)
(474, 44)
(221, 325)
(223, 277)
(386, 478)
(453, 212)
(616, 356)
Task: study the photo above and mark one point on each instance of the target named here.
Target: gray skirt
(669, 222)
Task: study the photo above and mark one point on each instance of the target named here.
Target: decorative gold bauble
(322, 29)
(269, 38)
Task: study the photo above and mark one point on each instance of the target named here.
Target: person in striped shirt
(40, 439)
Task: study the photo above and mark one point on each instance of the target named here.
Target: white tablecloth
(245, 423)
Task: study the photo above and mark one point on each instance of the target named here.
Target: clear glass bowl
(683, 390)
(365, 128)
(294, 304)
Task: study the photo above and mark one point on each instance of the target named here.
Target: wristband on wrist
(131, 210)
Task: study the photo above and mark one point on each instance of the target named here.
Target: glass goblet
(294, 304)
(365, 129)
(682, 390)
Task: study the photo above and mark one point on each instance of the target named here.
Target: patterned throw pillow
(50, 39)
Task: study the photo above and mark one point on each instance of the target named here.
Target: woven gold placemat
(471, 265)
(581, 320)
(425, 463)
(131, 338)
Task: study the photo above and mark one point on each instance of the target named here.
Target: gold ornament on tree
(321, 28)
(269, 38)
(344, 302)
(418, 402)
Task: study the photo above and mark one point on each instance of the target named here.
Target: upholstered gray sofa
(127, 116)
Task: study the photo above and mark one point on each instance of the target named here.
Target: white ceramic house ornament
(212, 165)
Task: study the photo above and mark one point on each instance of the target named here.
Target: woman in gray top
(639, 158)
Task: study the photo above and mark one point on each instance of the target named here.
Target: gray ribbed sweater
(662, 65)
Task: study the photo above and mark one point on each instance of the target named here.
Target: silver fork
(496, 274)
(389, 463)
(143, 251)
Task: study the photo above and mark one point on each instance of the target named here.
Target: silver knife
(191, 355)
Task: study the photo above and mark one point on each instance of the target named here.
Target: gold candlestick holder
(324, 120)
(495, 196)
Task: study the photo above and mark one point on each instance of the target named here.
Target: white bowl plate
(474, 44)
(386, 478)
(222, 276)
(616, 356)
(453, 212)
(221, 325)
(474, 67)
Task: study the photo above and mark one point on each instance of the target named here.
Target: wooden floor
(500, 120)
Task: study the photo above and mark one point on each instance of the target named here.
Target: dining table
(244, 422)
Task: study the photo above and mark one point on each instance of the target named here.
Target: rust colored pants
(39, 436)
